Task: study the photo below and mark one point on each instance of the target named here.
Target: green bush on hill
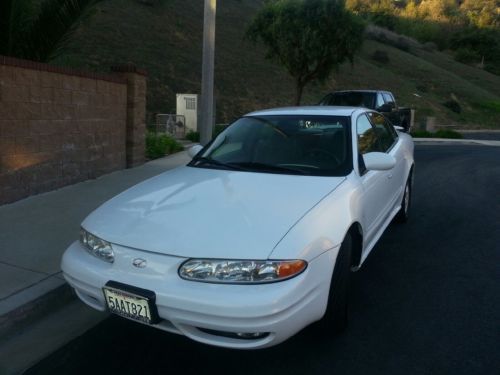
(471, 28)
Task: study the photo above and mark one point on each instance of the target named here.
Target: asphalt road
(427, 300)
(483, 135)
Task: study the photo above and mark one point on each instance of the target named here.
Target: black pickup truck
(380, 101)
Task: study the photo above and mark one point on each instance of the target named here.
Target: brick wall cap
(128, 68)
(34, 65)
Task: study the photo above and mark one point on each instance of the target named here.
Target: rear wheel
(336, 315)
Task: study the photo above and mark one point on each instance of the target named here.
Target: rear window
(350, 99)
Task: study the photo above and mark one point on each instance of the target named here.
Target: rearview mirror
(379, 161)
(194, 150)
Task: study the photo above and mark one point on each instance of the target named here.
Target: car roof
(312, 110)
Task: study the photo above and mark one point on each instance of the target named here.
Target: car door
(376, 185)
(389, 143)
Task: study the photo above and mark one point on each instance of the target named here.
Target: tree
(36, 29)
(309, 38)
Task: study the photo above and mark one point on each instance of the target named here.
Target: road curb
(22, 308)
(452, 141)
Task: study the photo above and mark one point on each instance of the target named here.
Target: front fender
(324, 226)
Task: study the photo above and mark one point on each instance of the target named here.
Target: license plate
(129, 305)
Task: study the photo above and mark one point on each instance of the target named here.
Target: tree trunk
(299, 87)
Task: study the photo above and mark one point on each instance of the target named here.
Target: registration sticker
(129, 305)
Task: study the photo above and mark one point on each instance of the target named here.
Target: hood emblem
(139, 262)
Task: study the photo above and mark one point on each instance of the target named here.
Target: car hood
(209, 213)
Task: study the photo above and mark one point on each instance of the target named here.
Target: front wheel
(404, 212)
(336, 315)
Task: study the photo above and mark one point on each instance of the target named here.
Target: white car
(257, 236)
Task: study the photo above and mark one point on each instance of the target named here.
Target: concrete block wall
(59, 126)
(136, 112)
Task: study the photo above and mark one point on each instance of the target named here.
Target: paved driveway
(425, 302)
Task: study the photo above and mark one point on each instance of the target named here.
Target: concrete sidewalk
(35, 231)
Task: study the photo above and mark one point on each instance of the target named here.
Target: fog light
(251, 335)
(235, 335)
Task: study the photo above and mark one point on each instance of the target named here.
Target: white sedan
(256, 237)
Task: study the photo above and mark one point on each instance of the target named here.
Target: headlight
(96, 246)
(240, 271)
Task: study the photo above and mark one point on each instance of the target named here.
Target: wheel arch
(356, 232)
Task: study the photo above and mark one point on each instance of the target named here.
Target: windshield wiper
(269, 168)
(210, 161)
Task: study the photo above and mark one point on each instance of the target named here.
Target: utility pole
(207, 73)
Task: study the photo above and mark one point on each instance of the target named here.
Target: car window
(290, 144)
(388, 98)
(384, 130)
(367, 138)
(380, 101)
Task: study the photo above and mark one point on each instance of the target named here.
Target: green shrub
(453, 105)
(159, 145)
(421, 134)
(193, 136)
(441, 133)
(447, 133)
(467, 56)
(492, 105)
(380, 56)
(384, 19)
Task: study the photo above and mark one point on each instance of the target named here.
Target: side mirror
(385, 108)
(194, 150)
(378, 161)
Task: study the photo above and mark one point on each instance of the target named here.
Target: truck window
(350, 99)
(388, 98)
(380, 100)
(367, 137)
(385, 131)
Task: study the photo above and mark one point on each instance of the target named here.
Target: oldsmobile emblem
(139, 262)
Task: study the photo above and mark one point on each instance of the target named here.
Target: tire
(336, 315)
(404, 212)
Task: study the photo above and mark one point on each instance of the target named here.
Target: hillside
(165, 39)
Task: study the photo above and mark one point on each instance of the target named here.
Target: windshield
(288, 144)
(350, 99)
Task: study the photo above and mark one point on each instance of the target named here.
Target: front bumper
(191, 308)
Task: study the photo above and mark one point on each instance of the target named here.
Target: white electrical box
(187, 106)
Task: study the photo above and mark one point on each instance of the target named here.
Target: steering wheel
(322, 155)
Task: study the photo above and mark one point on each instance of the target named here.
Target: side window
(385, 132)
(388, 98)
(367, 138)
(380, 101)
